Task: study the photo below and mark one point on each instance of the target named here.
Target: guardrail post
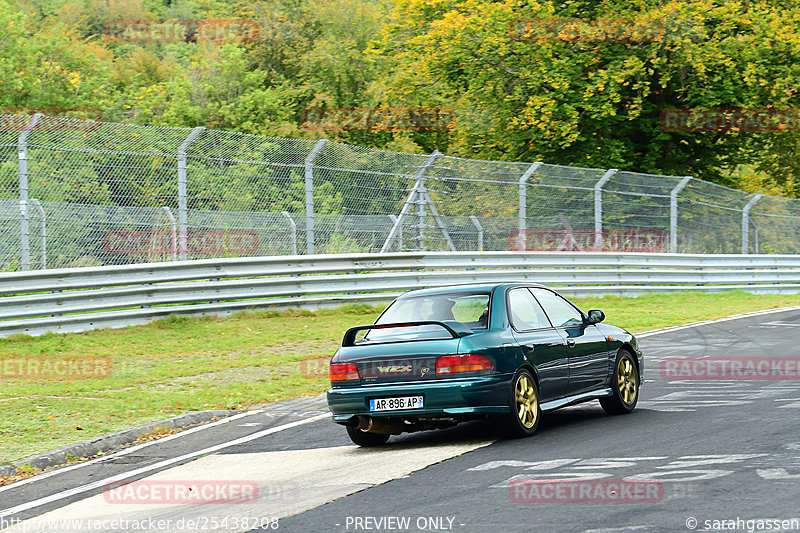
(478, 227)
(746, 223)
(293, 227)
(673, 214)
(309, 178)
(183, 210)
(173, 240)
(523, 204)
(42, 230)
(24, 230)
(598, 208)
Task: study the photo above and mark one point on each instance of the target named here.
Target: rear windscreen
(471, 309)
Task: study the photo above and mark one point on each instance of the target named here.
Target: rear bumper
(450, 397)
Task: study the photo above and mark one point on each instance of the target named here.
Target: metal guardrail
(79, 299)
(76, 193)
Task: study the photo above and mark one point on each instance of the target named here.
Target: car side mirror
(595, 316)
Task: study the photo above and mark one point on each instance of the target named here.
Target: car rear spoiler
(456, 329)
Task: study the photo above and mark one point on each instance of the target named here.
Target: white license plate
(396, 404)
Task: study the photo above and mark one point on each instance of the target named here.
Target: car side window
(524, 311)
(561, 312)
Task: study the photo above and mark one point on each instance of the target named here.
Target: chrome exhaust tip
(364, 423)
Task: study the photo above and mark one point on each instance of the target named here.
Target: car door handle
(530, 347)
(570, 342)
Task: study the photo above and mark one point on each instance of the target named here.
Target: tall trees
(576, 82)
(48, 65)
(585, 83)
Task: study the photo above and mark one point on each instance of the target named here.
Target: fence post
(598, 208)
(293, 227)
(183, 210)
(24, 231)
(746, 223)
(42, 230)
(426, 199)
(755, 236)
(393, 218)
(478, 227)
(421, 193)
(673, 214)
(173, 240)
(309, 178)
(421, 244)
(416, 195)
(523, 203)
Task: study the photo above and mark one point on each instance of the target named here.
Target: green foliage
(48, 65)
(528, 91)
(551, 80)
(342, 244)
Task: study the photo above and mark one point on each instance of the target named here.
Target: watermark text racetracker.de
(585, 491)
(676, 368)
(59, 119)
(379, 118)
(54, 367)
(631, 240)
(565, 29)
(177, 31)
(315, 368)
(730, 120)
(180, 492)
(198, 242)
(147, 524)
(750, 525)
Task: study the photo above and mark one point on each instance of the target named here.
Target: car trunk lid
(398, 361)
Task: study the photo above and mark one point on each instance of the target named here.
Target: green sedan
(508, 351)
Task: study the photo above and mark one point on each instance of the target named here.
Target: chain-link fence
(83, 193)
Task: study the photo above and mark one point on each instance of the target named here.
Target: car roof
(466, 288)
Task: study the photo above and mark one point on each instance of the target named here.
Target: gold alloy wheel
(527, 403)
(626, 380)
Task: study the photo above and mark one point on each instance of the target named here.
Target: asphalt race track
(719, 455)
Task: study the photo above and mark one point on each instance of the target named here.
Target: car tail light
(455, 364)
(344, 372)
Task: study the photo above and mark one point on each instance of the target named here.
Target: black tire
(365, 438)
(625, 384)
(523, 420)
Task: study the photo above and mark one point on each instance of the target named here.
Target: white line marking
(289, 482)
(78, 490)
(126, 451)
(125, 475)
(704, 322)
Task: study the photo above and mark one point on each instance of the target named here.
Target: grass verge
(176, 365)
